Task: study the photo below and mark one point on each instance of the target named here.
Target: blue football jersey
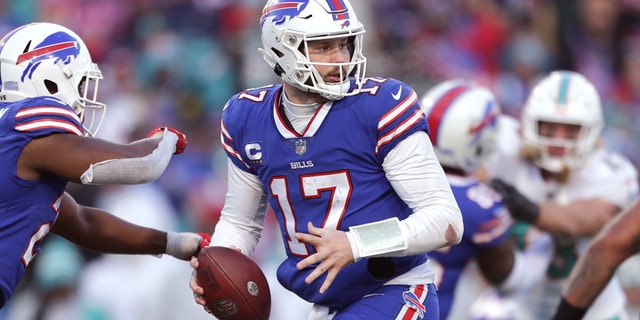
(28, 208)
(486, 224)
(331, 174)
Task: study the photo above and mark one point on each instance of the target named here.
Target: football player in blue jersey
(48, 116)
(462, 117)
(346, 164)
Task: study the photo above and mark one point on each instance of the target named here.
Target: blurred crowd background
(176, 62)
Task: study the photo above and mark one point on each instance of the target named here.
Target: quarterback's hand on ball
(185, 245)
(182, 138)
(334, 253)
(198, 291)
(520, 206)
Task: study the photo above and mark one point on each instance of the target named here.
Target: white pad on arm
(133, 170)
(376, 238)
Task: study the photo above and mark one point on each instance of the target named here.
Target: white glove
(184, 245)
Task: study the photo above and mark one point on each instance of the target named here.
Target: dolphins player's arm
(577, 219)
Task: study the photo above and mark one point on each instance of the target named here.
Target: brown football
(234, 285)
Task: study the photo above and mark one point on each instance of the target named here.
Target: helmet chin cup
(334, 91)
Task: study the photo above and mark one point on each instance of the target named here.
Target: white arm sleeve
(417, 177)
(242, 218)
(133, 170)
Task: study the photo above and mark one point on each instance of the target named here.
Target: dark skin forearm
(618, 241)
(97, 230)
(68, 156)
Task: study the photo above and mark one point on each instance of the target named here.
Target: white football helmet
(46, 59)
(462, 121)
(288, 25)
(563, 97)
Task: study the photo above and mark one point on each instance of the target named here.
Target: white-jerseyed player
(563, 185)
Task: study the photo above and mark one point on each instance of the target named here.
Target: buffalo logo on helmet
(60, 45)
(284, 10)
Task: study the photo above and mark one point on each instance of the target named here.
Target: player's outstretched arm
(97, 230)
(619, 240)
(89, 160)
(576, 219)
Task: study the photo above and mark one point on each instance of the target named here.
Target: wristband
(378, 238)
(183, 245)
(566, 311)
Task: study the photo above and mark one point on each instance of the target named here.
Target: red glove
(206, 240)
(182, 138)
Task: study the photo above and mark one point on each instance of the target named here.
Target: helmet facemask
(556, 154)
(88, 108)
(352, 69)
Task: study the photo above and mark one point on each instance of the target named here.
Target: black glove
(520, 207)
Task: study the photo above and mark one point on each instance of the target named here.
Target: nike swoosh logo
(396, 96)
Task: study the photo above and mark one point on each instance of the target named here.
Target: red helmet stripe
(490, 114)
(440, 108)
(44, 51)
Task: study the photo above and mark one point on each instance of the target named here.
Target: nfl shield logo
(301, 147)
